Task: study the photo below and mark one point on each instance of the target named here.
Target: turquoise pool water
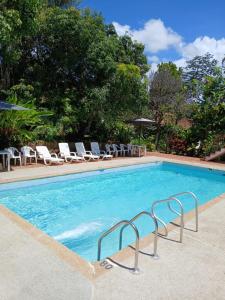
(76, 209)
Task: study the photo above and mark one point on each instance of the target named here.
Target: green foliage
(172, 68)
(209, 116)
(149, 142)
(79, 68)
(55, 57)
(196, 71)
(199, 67)
(166, 96)
(64, 3)
(16, 127)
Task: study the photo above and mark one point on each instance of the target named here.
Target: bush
(178, 145)
(148, 142)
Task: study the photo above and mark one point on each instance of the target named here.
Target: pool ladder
(156, 220)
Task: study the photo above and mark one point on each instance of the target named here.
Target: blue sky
(170, 29)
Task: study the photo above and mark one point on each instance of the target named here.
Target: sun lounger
(96, 151)
(67, 155)
(85, 154)
(47, 157)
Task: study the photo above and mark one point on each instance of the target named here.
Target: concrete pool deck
(192, 270)
(31, 269)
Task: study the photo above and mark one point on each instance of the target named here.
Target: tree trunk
(157, 138)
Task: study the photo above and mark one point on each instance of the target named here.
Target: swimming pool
(76, 209)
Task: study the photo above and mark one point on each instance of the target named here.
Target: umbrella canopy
(9, 106)
(142, 122)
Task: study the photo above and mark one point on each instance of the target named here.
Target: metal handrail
(181, 214)
(196, 205)
(155, 255)
(110, 230)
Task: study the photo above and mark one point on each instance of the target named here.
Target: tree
(79, 68)
(18, 20)
(64, 3)
(172, 68)
(196, 71)
(199, 67)
(209, 116)
(18, 127)
(165, 93)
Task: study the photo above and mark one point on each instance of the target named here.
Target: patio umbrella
(142, 122)
(9, 106)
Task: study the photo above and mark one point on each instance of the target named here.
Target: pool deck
(41, 171)
(33, 266)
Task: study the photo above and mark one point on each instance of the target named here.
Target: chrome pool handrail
(110, 230)
(155, 255)
(196, 200)
(181, 213)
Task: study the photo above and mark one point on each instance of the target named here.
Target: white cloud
(154, 35)
(154, 59)
(181, 63)
(121, 29)
(157, 37)
(154, 67)
(202, 45)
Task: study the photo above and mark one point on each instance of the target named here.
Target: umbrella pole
(141, 132)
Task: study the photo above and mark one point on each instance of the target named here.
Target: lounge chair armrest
(33, 152)
(89, 152)
(61, 154)
(54, 155)
(102, 152)
(17, 153)
(73, 153)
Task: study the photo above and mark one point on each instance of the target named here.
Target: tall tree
(64, 3)
(18, 21)
(165, 93)
(196, 71)
(199, 67)
(78, 66)
(209, 116)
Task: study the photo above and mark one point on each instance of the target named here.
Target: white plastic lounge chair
(67, 155)
(28, 153)
(85, 154)
(48, 157)
(117, 150)
(96, 151)
(109, 149)
(137, 150)
(124, 149)
(130, 149)
(14, 154)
